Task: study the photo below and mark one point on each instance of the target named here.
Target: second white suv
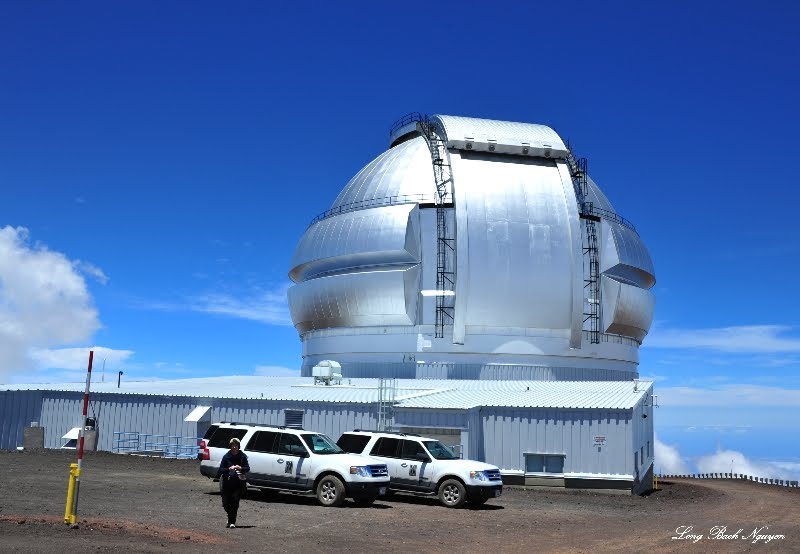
(296, 460)
(423, 465)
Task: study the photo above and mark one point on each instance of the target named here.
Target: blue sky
(160, 160)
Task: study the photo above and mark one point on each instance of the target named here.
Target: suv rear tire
(452, 493)
(330, 491)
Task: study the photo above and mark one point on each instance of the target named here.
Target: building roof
(409, 393)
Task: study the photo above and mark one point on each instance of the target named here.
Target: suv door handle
(404, 464)
(280, 460)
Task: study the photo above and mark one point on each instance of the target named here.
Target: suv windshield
(439, 451)
(321, 444)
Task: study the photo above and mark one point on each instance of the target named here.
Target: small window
(648, 449)
(222, 437)
(293, 419)
(262, 441)
(636, 461)
(544, 463)
(290, 445)
(353, 443)
(386, 447)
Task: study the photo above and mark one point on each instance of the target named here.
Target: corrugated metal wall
(510, 433)
(17, 410)
(159, 415)
(500, 436)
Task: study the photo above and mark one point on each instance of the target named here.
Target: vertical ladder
(445, 244)
(578, 173)
(592, 282)
(387, 390)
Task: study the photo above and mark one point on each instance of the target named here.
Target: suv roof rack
(253, 424)
(386, 432)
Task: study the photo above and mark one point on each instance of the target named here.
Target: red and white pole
(81, 434)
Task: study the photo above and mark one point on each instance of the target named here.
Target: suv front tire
(330, 491)
(452, 493)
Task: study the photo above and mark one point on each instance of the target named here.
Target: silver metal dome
(473, 249)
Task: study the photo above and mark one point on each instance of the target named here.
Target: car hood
(359, 459)
(467, 465)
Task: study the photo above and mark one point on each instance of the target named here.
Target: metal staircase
(578, 173)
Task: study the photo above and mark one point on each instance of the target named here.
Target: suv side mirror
(422, 457)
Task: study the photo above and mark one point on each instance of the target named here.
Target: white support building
(595, 434)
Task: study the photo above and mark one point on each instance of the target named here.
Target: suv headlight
(361, 471)
(478, 475)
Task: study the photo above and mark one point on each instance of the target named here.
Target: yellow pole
(74, 473)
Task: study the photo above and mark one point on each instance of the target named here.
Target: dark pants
(231, 492)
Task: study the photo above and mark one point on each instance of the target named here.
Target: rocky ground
(151, 504)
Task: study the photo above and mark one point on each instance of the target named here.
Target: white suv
(296, 460)
(422, 465)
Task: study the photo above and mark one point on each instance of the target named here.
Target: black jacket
(229, 460)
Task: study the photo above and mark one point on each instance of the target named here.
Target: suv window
(291, 445)
(321, 444)
(210, 432)
(262, 441)
(353, 443)
(223, 436)
(411, 449)
(440, 451)
(386, 447)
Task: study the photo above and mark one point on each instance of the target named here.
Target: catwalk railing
(165, 446)
(736, 476)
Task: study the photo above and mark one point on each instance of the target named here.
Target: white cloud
(91, 270)
(44, 301)
(276, 371)
(269, 307)
(741, 339)
(668, 460)
(264, 306)
(729, 395)
(731, 461)
(78, 358)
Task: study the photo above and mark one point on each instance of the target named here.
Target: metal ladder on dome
(578, 173)
(445, 244)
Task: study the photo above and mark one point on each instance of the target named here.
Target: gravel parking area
(152, 504)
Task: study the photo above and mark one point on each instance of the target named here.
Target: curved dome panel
(383, 236)
(627, 310)
(624, 256)
(518, 228)
(405, 171)
(458, 128)
(370, 298)
(596, 196)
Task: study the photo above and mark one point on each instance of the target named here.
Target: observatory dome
(473, 249)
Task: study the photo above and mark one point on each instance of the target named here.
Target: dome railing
(375, 202)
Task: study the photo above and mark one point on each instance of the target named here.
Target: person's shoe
(232, 526)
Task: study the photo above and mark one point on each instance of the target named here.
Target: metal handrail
(374, 202)
(169, 446)
(405, 120)
(612, 216)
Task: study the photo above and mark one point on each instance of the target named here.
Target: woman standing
(232, 474)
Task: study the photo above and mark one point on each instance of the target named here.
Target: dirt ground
(159, 505)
